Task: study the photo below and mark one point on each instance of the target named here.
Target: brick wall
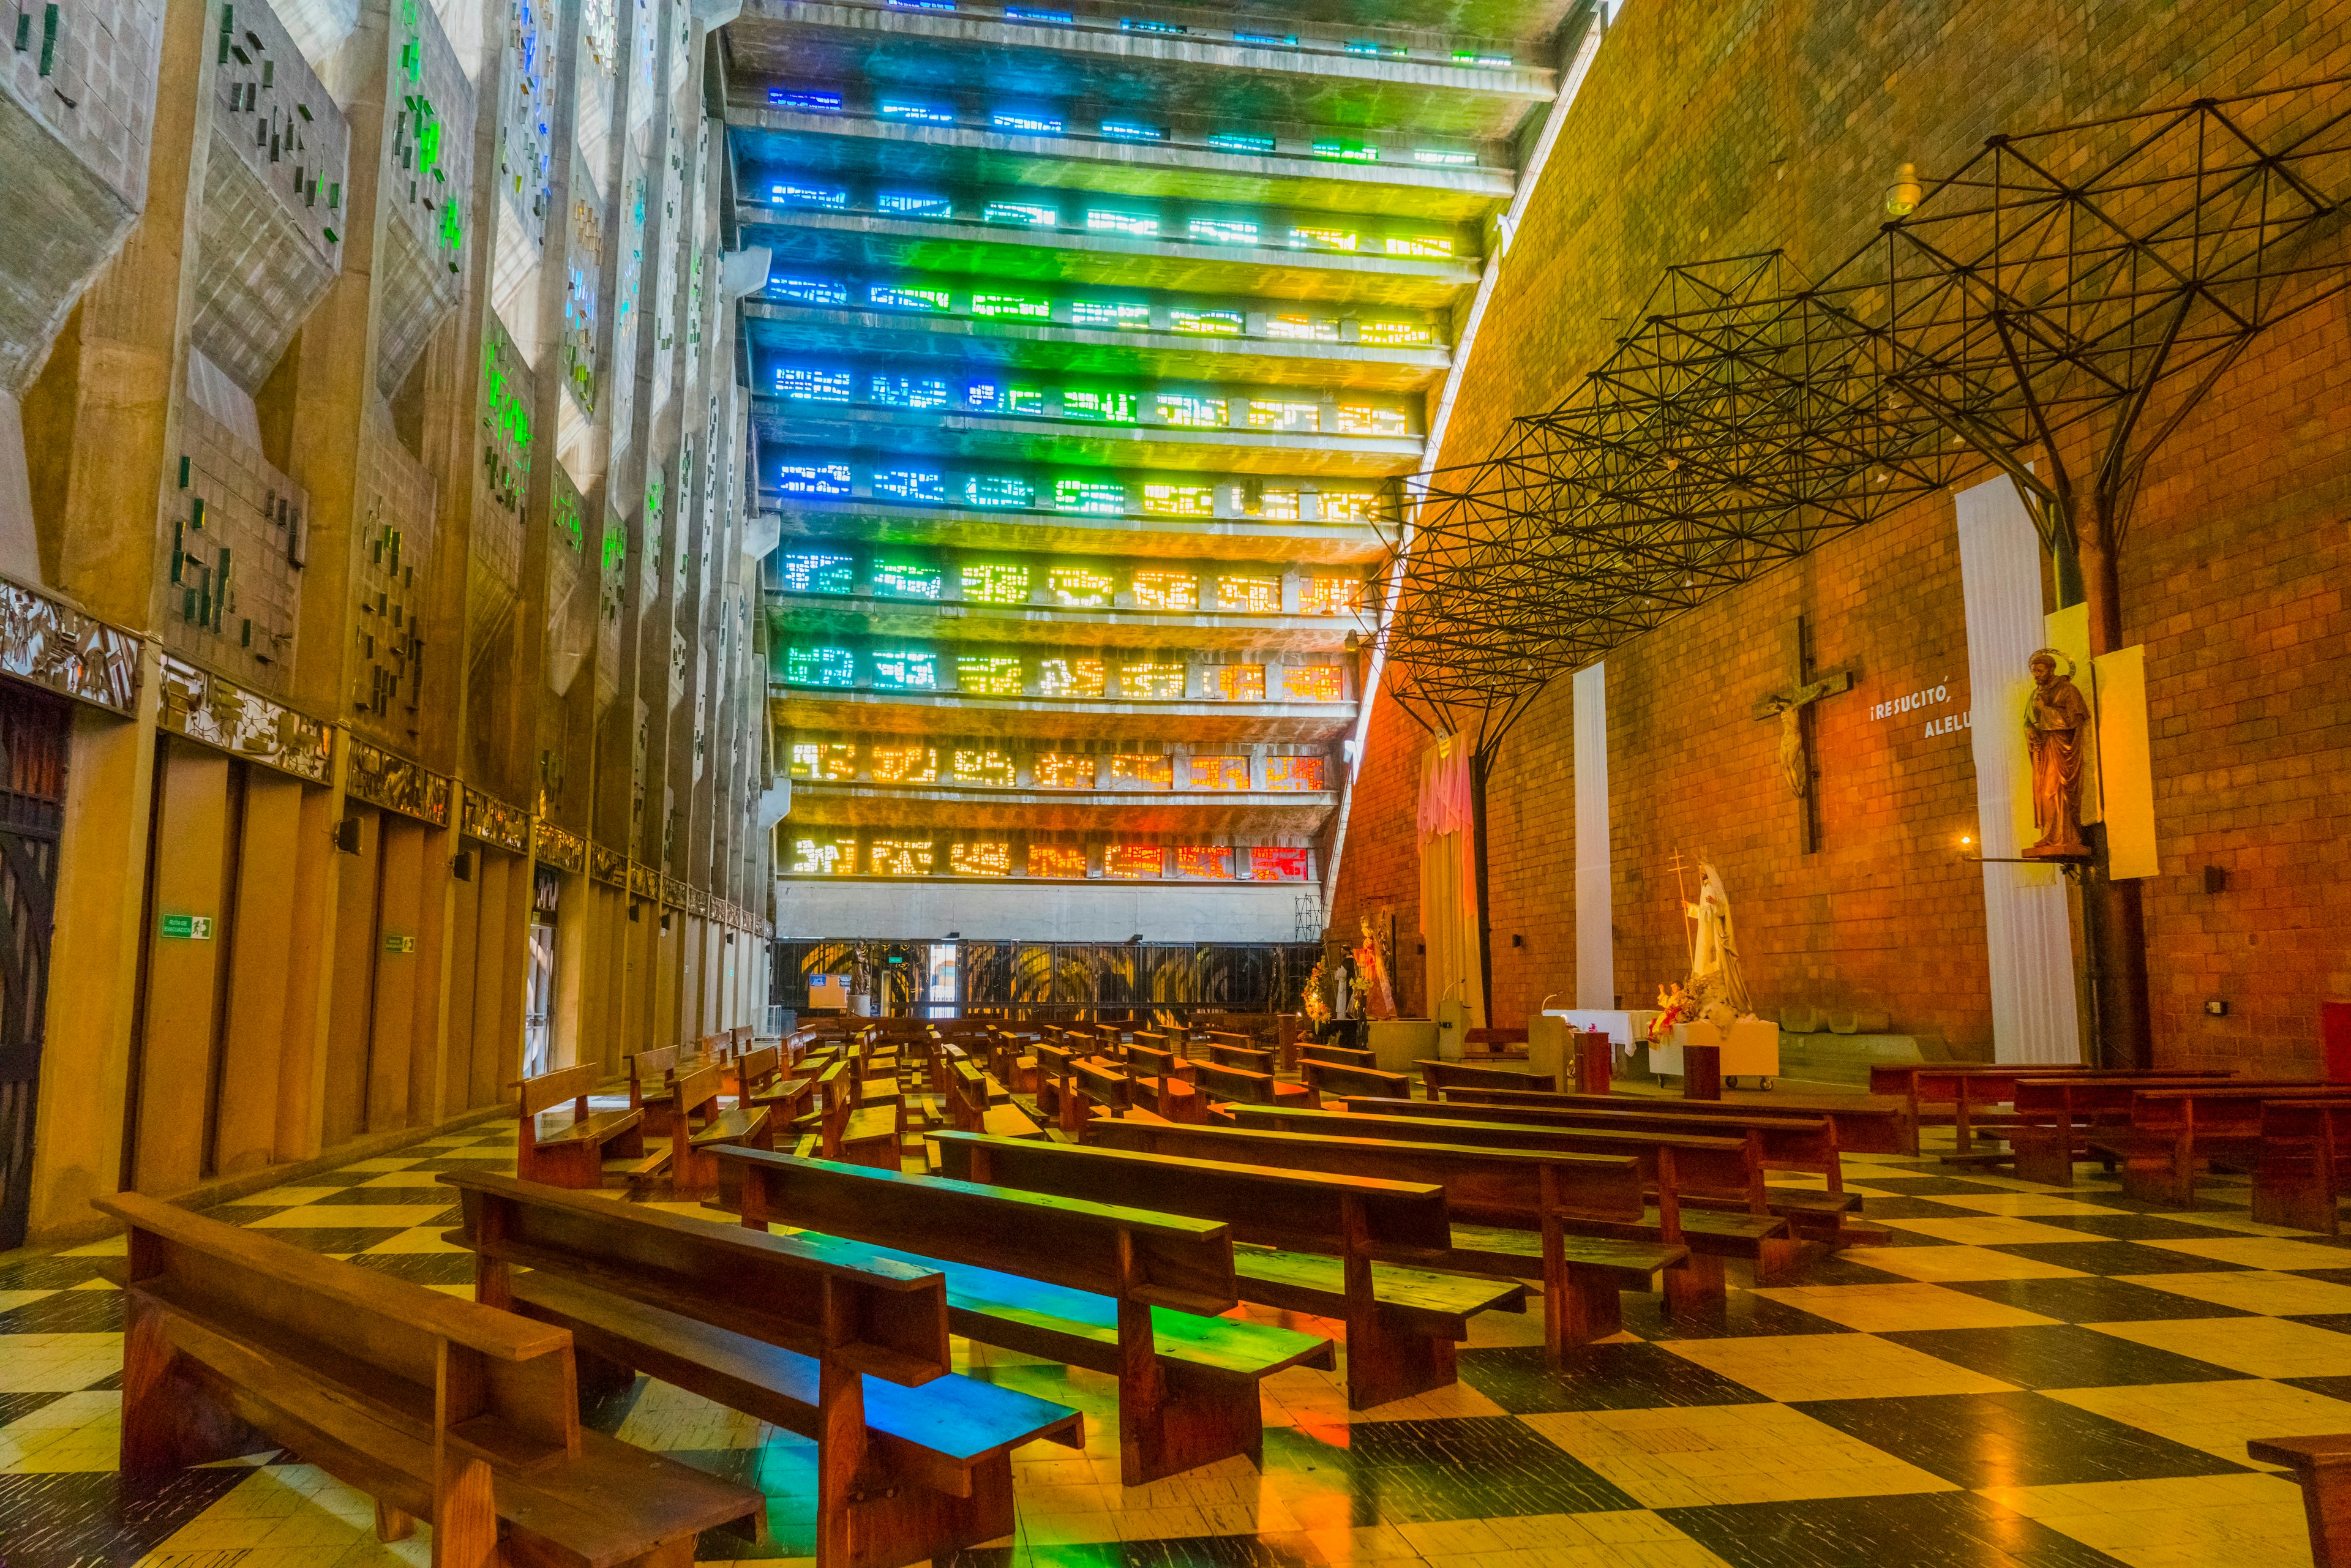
(1716, 131)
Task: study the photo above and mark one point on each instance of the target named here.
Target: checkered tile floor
(2024, 1377)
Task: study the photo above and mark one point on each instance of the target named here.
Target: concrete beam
(1221, 538)
(1223, 813)
(1019, 909)
(833, 614)
(1059, 718)
(863, 240)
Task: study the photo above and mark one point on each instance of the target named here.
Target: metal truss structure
(2066, 295)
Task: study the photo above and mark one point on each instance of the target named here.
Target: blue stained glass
(1027, 124)
(907, 391)
(826, 196)
(906, 669)
(815, 100)
(917, 206)
(802, 385)
(890, 297)
(1032, 14)
(997, 490)
(1241, 141)
(810, 290)
(919, 485)
(1139, 24)
(921, 113)
(820, 667)
(1133, 130)
(1272, 40)
(1030, 212)
(820, 479)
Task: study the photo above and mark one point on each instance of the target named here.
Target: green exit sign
(188, 927)
(393, 942)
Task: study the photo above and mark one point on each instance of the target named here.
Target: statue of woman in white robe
(1714, 945)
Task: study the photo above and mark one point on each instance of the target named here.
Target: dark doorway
(33, 730)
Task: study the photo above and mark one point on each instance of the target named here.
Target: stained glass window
(905, 579)
(921, 113)
(1279, 505)
(1070, 678)
(1221, 772)
(829, 760)
(812, 572)
(1090, 496)
(1099, 221)
(1199, 412)
(907, 391)
(1307, 329)
(1329, 596)
(975, 765)
(1295, 773)
(824, 857)
(893, 296)
(996, 584)
(905, 669)
(987, 675)
(1107, 313)
(1312, 683)
(1239, 142)
(1180, 500)
(909, 764)
(1322, 239)
(803, 385)
(1057, 860)
(1367, 419)
(1222, 231)
(1167, 590)
(1396, 334)
(822, 103)
(1275, 413)
(1164, 682)
(1026, 124)
(1143, 770)
(1351, 506)
(1443, 157)
(1347, 152)
(1115, 407)
(818, 479)
(1256, 595)
(1135, 861)
(1030, 215)
(1215, 323)
(898, 857)
(997, 490)
(830, 197)
(1079, 588)
(1011, 305)
(1061, 770)
(924, 486)
(1133, 130)
(907, 206)
(1212, 862)
(810, 290)
(980, 859)
(1240, 682)
(820, 667)
(1277, 865)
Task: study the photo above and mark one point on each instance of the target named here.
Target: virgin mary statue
(1715, 974)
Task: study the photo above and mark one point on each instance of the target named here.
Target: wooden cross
(1793, 709)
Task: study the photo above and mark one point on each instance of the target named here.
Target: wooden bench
(1711, 1192)
(1438, 1076)
(1804, 1144)
(2173, 1131)
(1352, 1247)
(1288, 1030)
(1164, 1081)
(650, 1072)
(1494, 1198)
(2305, 1161)
(1115, 1290)
(766, 1082)
(1338, 1055)
(1328, 1078)
(1497, 1042)
(837, 1129)
(438, 1408)
(832, 1342)
(2322, 1466)
(2055, 1118)
(1248, 1086)
(1247, 1056)
(1973, 1089)
(573, 1151)
(1865, 1123)
(974, 1108)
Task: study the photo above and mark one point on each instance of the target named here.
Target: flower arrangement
(1315, 1004)
(1674, 1006)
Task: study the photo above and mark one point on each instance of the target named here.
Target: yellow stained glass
(1256, 595)
(1133, 861)
(996, 584)
(1070, 678)
(1061, 770)
(898, 857)
(1241, 683)
(973, 765)
(980, 859)
(1163, 681)
(1212, 862)
(1221, 773)
(1143, 771)
(989, 675)
(1057, 860)
(1079, 588)
(1311, 683)
(1329, 596)
(905, 764)
(1167, 590)
(1295, 773)
(824, 857)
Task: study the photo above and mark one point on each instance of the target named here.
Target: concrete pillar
(393, 1023)
(350, 985)
(314, 871)
(569, 1033)
(261, 943)
(184, 971)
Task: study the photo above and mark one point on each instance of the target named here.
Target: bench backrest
(1312, 1211)
(1156, 1258)
(650, 1071)
(874, 1314)
(550, 1090)
(1690, 1163)
(1792, 1142)
(1247, 1056)
(1156, 1062)
(260, 1310)
(1103, 1085)
(1442, 1075)
(2220, 1107)
(2324, 1123)
(1331, 1078)
(1516, 1035)
(1344, 1056)
(1242, 1083)
(1941, 1083)
(1486, 1187)
(2053, 1098)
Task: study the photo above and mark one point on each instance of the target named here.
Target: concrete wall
(1038, 911)
(1716, 131)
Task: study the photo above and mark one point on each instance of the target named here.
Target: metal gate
(32, 811)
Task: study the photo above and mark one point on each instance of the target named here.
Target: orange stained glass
(1133, 860)
(1221, 773)
(905, 765)
(1296, 773)
(973, 765)
(1212, 862)
(1138, 771)
(1163, 681)
(1241, 683)
(1167, 590)
(1329, 596)
(1058, 770)
(1277, 865)
(1070, 678)
(898, 857)
(1311, 683)
(824, 857)
(980, 859)
(1057, 860)
(1256, 595)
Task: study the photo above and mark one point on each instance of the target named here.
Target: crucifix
(1793, 709)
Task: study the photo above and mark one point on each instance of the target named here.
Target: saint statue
(2057, 729)
(1715, 974)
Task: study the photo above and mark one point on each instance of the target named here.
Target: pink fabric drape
(1445, 788)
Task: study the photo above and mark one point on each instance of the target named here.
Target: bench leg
(390, 1524)
(2044, 1154)
(1173, 1419)
(894, 1522)
(2326, 1503)
(2303, 1199)
(2159, 1175)
(171, 1417)
(1386, 1362)
(1696, 1285)
(464, 1513)
(1780, 1260)
(1580, 1305)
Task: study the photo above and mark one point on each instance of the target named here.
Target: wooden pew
(974, 1109)
(826, 1341)
(689, 1115)
(1097, 1082)
(1246, 1086)
(1973, 1089)
(2305, 1161)
(766, 1083)
(2322, 1466)
(1247, 1056)
(1866, 1125)
(1116, 1291)
(1351, 1248)
(574, 1151)
(1438, 1076)
(1805, 1144)
(1338, 1055)
(1501, 1042)
(2055, 1116)
(650, 1072)
(2172, 1131)
(1710, 1192)
(1289, 1030)
(1494, 1198)
(439, 1410)
(1327, 1078)
(1164, 1080)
